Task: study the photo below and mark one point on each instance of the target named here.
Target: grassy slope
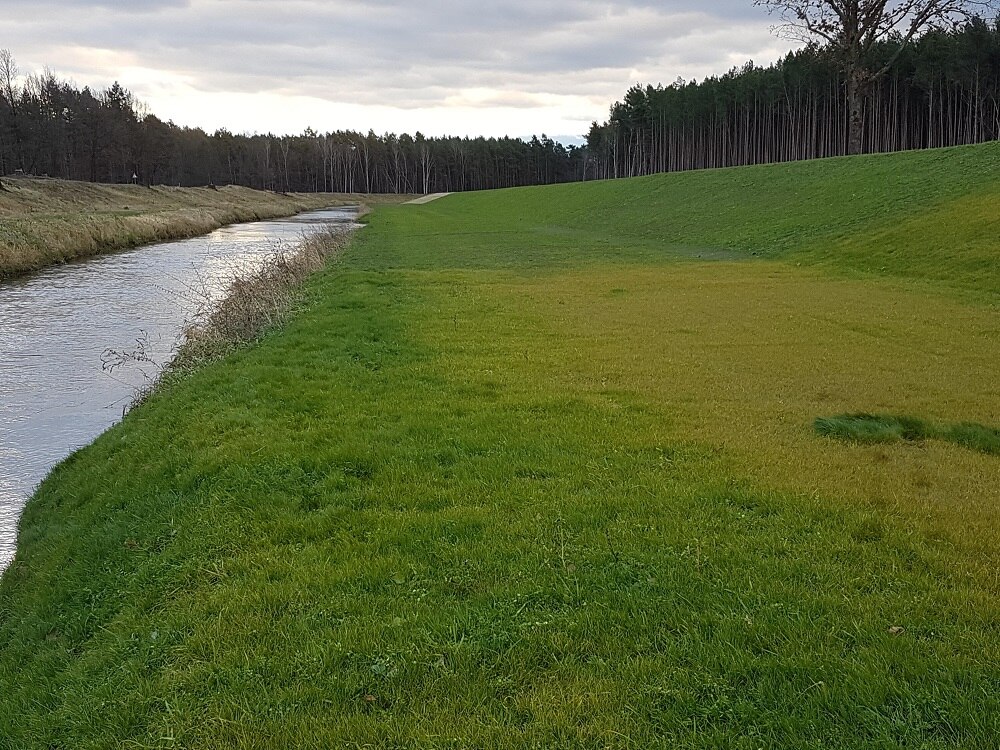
(45, 221)
(526, 473)
(925, 215)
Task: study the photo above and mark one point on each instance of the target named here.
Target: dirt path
(426, 199)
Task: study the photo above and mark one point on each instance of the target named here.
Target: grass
(879, 428)
(928, 216)
(525, 471)
(257, 301)
(44, 221)
(976, 437)
(874, 428)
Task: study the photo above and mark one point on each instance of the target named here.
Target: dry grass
(257, 301)
(744, 356)
(44, 222)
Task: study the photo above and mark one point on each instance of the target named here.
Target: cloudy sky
(444, 67)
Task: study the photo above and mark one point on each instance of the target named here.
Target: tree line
(48, 126)
(941, 89)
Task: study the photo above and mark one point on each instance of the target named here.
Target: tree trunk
(855, 110)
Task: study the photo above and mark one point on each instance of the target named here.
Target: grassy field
(538, 469)
(45, 221)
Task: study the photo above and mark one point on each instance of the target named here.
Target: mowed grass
(929, 217)
(526, 471)
(743, 356)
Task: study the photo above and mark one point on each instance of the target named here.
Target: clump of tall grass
(882, 428)
(873, 428)
(976, 437)
(257, 300)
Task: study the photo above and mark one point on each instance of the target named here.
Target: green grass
(976, 437)
(880, 428)
(526, 472)
(874, 428)
(931, 216)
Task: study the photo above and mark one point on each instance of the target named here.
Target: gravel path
(426, 199)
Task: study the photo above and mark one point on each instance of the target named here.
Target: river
(57, 327)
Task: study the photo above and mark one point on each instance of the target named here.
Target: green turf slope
(931, 215)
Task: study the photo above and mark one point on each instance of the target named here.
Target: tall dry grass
(258, 300)
(45, 222)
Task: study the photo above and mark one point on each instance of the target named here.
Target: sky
(441, 67)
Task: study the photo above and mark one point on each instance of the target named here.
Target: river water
(58, 327)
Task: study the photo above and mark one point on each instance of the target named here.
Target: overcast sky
(444, 67)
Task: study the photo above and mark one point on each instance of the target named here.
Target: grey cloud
(125, 7)
(399, 53)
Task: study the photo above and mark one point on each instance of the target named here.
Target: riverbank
(45, 221)
(79, 340)
(537, 468)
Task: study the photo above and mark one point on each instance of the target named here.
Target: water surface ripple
(56, 395)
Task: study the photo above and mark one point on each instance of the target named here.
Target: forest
(50, 127)
(943, 90)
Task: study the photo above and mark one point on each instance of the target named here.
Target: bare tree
(366, 156)
(284, 144)
(10, 93)
(853, 27)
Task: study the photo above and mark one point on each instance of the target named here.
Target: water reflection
(55, 395)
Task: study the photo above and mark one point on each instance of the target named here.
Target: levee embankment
(44, 221)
